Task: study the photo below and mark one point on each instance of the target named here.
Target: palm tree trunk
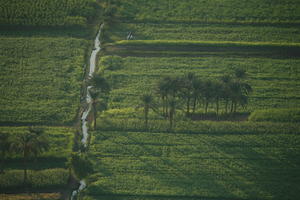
(25, 168)
(194, 105)
(226, 106)
(188, 106)
(146, 112)
(95, 115)
(232, 105)
(206, 106)
(217, 106)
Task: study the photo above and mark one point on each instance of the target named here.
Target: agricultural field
(47, 13)
(170, 166)
(40, 79)
(275, 82)
(204, 32)
(228, 11)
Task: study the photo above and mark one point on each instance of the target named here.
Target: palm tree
(4, 148)
(188, 90)
(29, 144)
(94, 94)
(100, 89)
(147, 102)
(172, 111)
(226, 82)
(98, 82)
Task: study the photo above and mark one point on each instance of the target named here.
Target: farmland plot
(40, 79)
(133, 165)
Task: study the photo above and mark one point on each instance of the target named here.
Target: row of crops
(47, 13)
(40, 79)
(230, 11)
(166, 165)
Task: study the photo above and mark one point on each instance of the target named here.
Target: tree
(4, 148)
(187, 90)
(31, 143)
(94, 94)
(81, 165)
(147, 102)
(172, 111)
(99, 90)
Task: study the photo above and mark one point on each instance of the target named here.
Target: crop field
(229, 11)
(166, 165)
(275, 81)
(47, 13)
(40, 79)
(204, 32)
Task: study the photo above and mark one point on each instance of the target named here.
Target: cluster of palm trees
(191, 93)
(28, 144)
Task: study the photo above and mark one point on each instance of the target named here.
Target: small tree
(31, 143)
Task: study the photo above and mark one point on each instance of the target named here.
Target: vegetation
(41, 196)
(98, 92)
(276, 115)
(43, 179)
(274, 81)
(234, 166)
(47, 13)
(204, 32)
(234, 11)
(40, 79)
(29, 144)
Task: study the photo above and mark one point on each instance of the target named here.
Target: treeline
(191, 93)
(47, 13)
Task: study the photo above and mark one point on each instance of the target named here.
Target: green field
(204, 32)
(172, 166)
(47, 13)
(209, 154)
(275, 81)
(228, 11)
(40, 79)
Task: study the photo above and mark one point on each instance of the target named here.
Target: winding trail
(84, 122)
